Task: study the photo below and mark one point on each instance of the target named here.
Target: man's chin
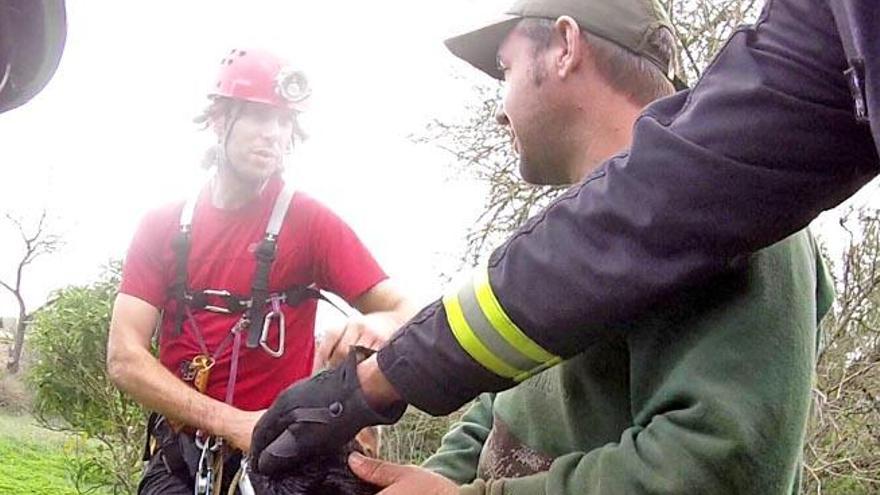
(538, 176)
(255, 174)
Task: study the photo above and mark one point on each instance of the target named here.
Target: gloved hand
(316, 416)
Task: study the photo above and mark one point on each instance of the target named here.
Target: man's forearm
(137, 373)
(387, 302)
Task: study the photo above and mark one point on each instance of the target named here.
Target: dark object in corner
(324, 475)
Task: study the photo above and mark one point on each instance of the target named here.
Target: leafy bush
(415, 437)
(73, 392)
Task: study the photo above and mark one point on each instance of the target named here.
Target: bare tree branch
(38, 242)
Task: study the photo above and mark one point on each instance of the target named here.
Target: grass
(34, 461)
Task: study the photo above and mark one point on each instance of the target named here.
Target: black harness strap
(265, 257)
(260, 290)
(265, 254)
(181, 245)
(301, 293)
(221, 301)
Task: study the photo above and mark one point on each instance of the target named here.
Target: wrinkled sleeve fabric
(765, 141)
(343, 265)
(459, 453)
(145, 271)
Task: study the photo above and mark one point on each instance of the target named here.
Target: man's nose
(501, 115)
(272, 128)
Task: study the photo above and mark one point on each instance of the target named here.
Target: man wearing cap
(708, 394)
(231, 279)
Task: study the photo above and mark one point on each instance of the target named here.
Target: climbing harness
(259, 314)
(254, 306)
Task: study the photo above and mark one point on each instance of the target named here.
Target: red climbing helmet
(260, 77)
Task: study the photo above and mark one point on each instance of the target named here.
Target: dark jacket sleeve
(764, 142)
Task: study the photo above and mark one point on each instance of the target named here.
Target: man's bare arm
(384, 309)
(138, 373)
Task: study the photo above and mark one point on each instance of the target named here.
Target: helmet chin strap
(231, 119)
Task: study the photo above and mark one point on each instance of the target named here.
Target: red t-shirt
(314, 246)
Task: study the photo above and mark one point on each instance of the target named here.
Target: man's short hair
(633, 75)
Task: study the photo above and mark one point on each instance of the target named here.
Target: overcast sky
(112, 136)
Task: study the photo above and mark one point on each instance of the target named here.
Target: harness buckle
(223, 294)
(264, 336)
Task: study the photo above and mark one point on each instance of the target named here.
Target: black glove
(316, 417)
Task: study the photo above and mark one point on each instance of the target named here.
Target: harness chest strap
(265, 255)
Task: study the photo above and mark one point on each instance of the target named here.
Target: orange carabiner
(201, 365)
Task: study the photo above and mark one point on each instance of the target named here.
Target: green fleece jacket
(709, 394)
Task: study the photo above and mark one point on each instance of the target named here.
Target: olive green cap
(631, 24)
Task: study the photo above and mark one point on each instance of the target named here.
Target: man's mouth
(265, 153)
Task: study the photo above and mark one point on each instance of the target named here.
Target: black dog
(324, 475)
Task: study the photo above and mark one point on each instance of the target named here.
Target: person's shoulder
(310, 207)
(166, 212)
(803, 240)
(163, 218)
(303, 199)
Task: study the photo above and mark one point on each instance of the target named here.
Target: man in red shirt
(235, 300)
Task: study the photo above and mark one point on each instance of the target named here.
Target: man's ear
(572, 53)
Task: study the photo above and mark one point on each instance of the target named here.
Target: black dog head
(324, 475)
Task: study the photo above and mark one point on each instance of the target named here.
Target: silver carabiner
(244, 482)
(205, 473)
(264, 336)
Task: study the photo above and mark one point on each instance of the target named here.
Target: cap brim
(480, 46)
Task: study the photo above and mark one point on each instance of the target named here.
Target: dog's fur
(324, 475)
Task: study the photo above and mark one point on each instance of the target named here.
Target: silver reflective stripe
(483, 329)
(279, 211)
(186, 214)
(488, 335)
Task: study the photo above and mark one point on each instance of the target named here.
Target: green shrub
(73, 393)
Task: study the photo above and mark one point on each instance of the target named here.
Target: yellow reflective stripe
(487, 334)
(468, 340)
(503, 324)
(537, 369)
